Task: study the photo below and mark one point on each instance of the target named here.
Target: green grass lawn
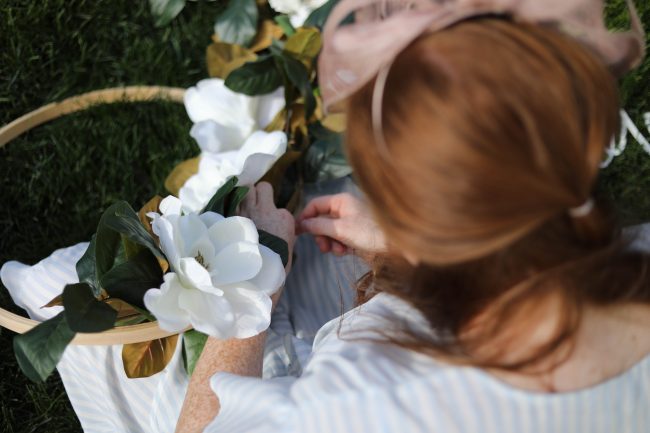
(57, 180)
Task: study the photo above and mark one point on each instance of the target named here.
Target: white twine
(617, 146)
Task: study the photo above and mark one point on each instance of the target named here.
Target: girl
(500, 298)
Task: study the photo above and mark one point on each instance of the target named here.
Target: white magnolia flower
(249, 164)
(228, 128)
(298, 10)
(221, 278)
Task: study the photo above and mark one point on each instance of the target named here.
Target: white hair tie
(583, 210)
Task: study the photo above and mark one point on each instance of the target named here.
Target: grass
(58, 178)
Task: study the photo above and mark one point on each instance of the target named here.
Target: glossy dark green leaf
(238, 23)
(255, 78)
(122, 219)
(131, 279)
(86, 270)
(218, 201)
(83, 312)
(318, 16)
(234, 199)
(193, 343)
(107, 245)
(298, 75)
(325, 158)
(285, 24)
(164, 11)
(39, 350)
(276, 244)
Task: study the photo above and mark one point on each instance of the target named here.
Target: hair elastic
(583, 210)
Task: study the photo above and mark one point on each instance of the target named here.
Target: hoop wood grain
(124, 334)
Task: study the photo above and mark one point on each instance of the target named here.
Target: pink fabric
(354, 53)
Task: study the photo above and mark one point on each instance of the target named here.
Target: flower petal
(268, 106)
(163, 227)
(258, 155)
(213, 173)
(210, 218)
(189, 231)
(210, 314)
(192, 274)
(170, 205)
(239, 261)
(164, 304)
(251, 308)
(212, 100)
(271, 277)
(232, 229)
(214, 137)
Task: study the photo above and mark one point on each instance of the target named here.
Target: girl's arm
(237, 356)
(201, 405)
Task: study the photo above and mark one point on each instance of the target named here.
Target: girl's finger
(265, 195)
(318, 206)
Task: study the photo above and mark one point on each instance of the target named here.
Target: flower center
(199, 258)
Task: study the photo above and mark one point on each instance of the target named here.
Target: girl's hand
(341, 223)
(258, 205)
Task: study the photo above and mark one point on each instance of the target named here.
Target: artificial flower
(220, 278)
(223, 120)
(298, 10)
(249, 164)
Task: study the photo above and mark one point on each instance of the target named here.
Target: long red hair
(493, 131)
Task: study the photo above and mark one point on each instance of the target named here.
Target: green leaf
(193, 343)
(276, 244)
(39, 350)
(285, 24)
(325, 159)
(86, 269)
(83, 312)
(238, 23)
(255, 78)
(164, 11)
(319, 16)
(235, 197)
(130, 280)
(298, 75)
(122, 219)
(218, 201)
(107, 245)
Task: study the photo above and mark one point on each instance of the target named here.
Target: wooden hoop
(124, 334)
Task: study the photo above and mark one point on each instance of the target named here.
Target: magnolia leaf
(298, 75)
(180, 174)
(218, 201)
(83, 312)
(255, 78)
(234, 199)
(223, 58)
(86, 267)
(130, 280)
(318, 16)
(148, 358)
(285, 24)
(267, 33)
(130, 320)
(123, 309)
(336, 122)
(152, 205)
(276, 244)
(122, 219)
(279, 121)
(193, 343)
(164, 11)
(57, 301)
(107, 246)
(238, 23)
(304, 45)
(40, 349)
(275, 175)
(325, 159)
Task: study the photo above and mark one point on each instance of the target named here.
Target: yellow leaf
(55, 302)
(150, 206)
(278, 122)
(267, 32)
(335, 122)
(123, 309)
(223, 58)
(148, 358)
(305, 45)
(180, 174)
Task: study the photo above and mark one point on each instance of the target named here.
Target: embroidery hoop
(124, 334)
